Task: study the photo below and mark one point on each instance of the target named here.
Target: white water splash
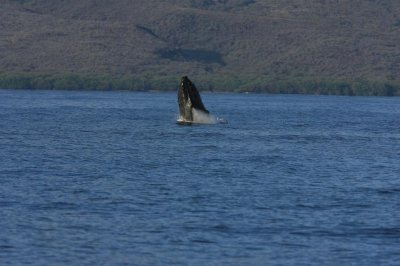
(201, 117)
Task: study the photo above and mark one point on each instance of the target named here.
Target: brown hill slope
(315, 39)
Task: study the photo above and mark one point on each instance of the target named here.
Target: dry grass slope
(339, 40)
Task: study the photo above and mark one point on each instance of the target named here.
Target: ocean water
(108, 178)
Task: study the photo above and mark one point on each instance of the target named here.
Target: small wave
(222, 227)
(202, 241)
(200, 117)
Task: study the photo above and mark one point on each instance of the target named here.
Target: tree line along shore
(228, 83)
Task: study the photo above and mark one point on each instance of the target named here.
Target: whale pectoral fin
(182, 102)
(195, 98)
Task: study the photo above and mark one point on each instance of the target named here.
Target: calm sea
(108, 178)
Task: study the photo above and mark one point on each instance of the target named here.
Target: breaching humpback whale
(190, 103)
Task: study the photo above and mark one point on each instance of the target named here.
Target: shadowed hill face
(357, 39)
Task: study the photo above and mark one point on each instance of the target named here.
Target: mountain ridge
(338, 40)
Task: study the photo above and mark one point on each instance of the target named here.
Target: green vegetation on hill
(257, 84)
(328, 47)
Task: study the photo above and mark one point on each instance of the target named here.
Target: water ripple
(108, 178)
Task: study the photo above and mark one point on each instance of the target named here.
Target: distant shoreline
(228, 83)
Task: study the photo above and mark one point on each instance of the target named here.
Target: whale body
(190, 103)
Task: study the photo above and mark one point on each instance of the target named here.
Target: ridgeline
(310, 47)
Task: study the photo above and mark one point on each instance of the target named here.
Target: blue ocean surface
(109, 178)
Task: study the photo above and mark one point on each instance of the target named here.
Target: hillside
(236, 40)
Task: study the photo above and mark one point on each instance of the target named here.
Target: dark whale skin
(188, 98)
